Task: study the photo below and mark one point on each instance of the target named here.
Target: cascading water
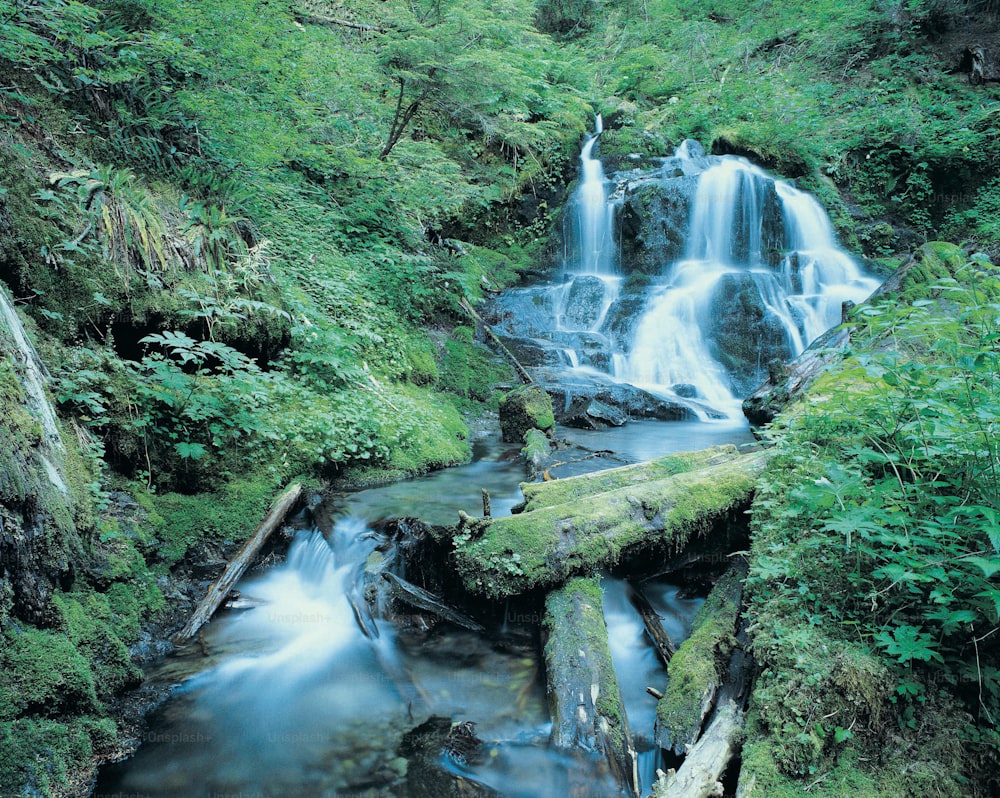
(743, 224)
(757, 276)
(33, 377)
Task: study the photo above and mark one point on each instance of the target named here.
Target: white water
(33, 376)
(672, 345)
(595, 215)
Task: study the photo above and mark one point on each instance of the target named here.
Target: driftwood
(542, 548)
(698, 670)
(664, 646)
(424, 600)
(522, 372)
(237, 566)
(584, 699)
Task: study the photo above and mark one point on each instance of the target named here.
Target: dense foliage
(878, 538)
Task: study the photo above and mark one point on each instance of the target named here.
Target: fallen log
(237, 566)
(503, 557)
(563, 491)
(699, 775)
(664, 646)
(584, 699)
(700, 666)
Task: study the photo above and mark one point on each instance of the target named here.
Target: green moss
(699, 666)
(570, 489)
(421, 359)
(229, 514)
(537, 447)
(525, 408)
(471, 371)
(44, 673)
(46, 757)
(574, 619)
(548, 545)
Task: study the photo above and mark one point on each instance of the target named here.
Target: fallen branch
(664, 646)
(237, 566)
(522, 372)
(319, 19)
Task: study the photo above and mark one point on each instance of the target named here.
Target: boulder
(524, 409)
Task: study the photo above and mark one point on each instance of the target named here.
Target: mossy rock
(525, 408)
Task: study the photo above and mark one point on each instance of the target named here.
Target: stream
(681, 284)
(290, 699)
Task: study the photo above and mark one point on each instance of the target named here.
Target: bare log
(541, 548)
(664, 646)
(584, 699)
(238, 565)
(699, 668)
(699, 775)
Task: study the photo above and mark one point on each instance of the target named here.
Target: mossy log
(542, 548)
(584, 699)
(238, 565)
(562, 491)
(700, 666)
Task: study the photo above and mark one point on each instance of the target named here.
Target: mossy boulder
(523, 409)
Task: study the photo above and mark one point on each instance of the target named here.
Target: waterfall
(717, 312)
(33, 378)
(595, 216)
(738, 269)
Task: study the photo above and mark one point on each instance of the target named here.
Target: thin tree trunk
(237, 566)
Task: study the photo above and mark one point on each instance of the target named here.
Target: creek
(287, 696)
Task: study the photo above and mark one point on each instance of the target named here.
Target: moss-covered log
(546, 546)
(562, 491)
(699, 667)
(584, 699)
(700, 774)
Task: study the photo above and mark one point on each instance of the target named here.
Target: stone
(523, 409)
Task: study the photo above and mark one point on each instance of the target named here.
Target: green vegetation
(876, 548)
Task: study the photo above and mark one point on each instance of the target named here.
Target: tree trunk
(541, 548)
(238, 565)
(585, 702)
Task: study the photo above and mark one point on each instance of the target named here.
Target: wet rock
(655, 219)
(523, 409)
(746, 335)
(584, 303)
